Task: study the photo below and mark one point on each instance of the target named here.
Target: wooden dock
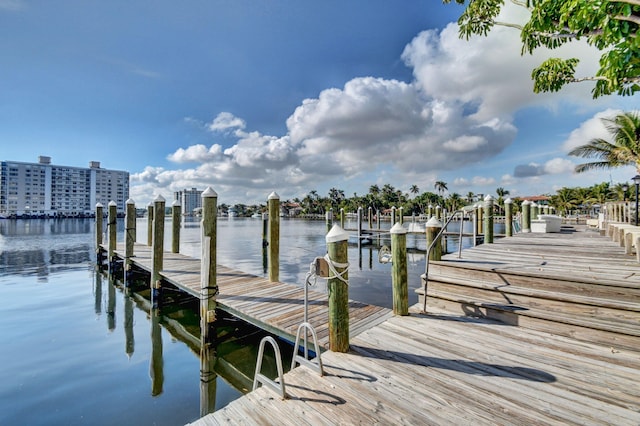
(272, 306)
(451, 368)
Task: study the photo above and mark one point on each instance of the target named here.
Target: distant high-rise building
(44, 189)
(190, 199)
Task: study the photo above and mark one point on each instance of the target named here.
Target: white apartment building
(45, 190)
(190, 199)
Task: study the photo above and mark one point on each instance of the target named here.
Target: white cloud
(196, 154)
(226, 121)
(589, 129)
(457, 112)
(554, 166)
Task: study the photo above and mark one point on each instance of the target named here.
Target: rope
(332, 269)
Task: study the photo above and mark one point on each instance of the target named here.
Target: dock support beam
(274, 237)
(399, 270)
(338, 288)
(208, 268)
(508, 217)
(129, 239)
(488, 219)
(176, 218)
(157, 248)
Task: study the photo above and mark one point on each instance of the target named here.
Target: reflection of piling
(111, 306)
(130, 238)
(208, 379)
(208, 268)
(157, 249)
(98, 293)
(128, 326)
(156, 367)
(399, 270)
(274, 237)
(338, 288)
(176, 217)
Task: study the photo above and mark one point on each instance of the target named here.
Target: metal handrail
(261, 378)
(433, 243)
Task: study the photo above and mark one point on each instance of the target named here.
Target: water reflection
(156, 365)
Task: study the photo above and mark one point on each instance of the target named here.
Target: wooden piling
(488, 219)
(157, 248)
(438, 212)
(370, 217)
(328, 218)
(274, 237)
(208, 265)
(508, 217)
(526, 216)
(393, 216)
(399, 270)
(150, 224)
(359, 225)
(533, 215)
(342, 218)
(111, 223)
(129, 238)
(176, 218)
(433, 227)
(479, 218)
(99, 220)
(338, 289)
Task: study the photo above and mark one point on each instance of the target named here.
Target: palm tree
(501, 194)
(470, 197)
(440, 186)
(624, 150)
(414, 189)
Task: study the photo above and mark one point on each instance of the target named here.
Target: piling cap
(433, 223)
(176, 203)
(209, 192)
(273, 196)
(159, 198)
(336, 234)
(99, 206)
(112, 203)
(508, 201)
(488, 198)
(533, 204)
(526, 203)
(130, 201)
(398, 229)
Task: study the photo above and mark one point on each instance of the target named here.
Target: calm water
(77, 349)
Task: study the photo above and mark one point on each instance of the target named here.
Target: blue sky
(251, 97)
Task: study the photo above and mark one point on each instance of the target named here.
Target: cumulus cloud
(195, 154)
(554, 166)
(457, 111)
(589, 129)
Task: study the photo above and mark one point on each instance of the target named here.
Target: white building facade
(45, 190)
(190, 199)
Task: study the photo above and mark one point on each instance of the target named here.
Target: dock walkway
(448, 368)
(272, 306)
